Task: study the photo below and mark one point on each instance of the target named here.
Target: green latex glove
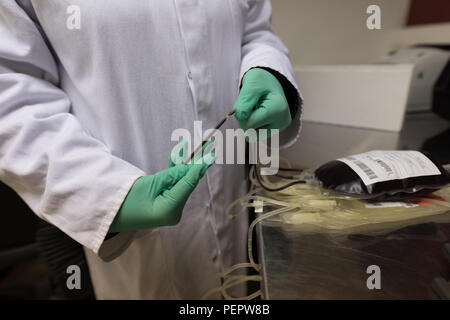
(158, 200)
(262, 103)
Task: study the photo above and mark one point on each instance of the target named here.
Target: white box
(364, 96)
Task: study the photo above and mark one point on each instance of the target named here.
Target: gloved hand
(158, 200)
(262, 103)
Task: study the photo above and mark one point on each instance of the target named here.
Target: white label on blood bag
(379, 166)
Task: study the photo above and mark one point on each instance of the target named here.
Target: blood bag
(383, 175)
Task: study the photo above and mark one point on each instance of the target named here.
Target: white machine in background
(429, 64)
(370, 96)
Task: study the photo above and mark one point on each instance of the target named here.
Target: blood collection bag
(384, 175)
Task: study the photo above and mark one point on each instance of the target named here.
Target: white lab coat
(85, 112)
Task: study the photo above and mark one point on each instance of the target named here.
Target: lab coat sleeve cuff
(113, 247)
(292, 133)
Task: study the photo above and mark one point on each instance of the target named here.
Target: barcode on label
(366, 169)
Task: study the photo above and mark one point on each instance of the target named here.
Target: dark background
(428, 11)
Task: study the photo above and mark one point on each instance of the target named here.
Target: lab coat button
(189, 75)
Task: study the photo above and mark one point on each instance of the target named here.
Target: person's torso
(135, 71)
